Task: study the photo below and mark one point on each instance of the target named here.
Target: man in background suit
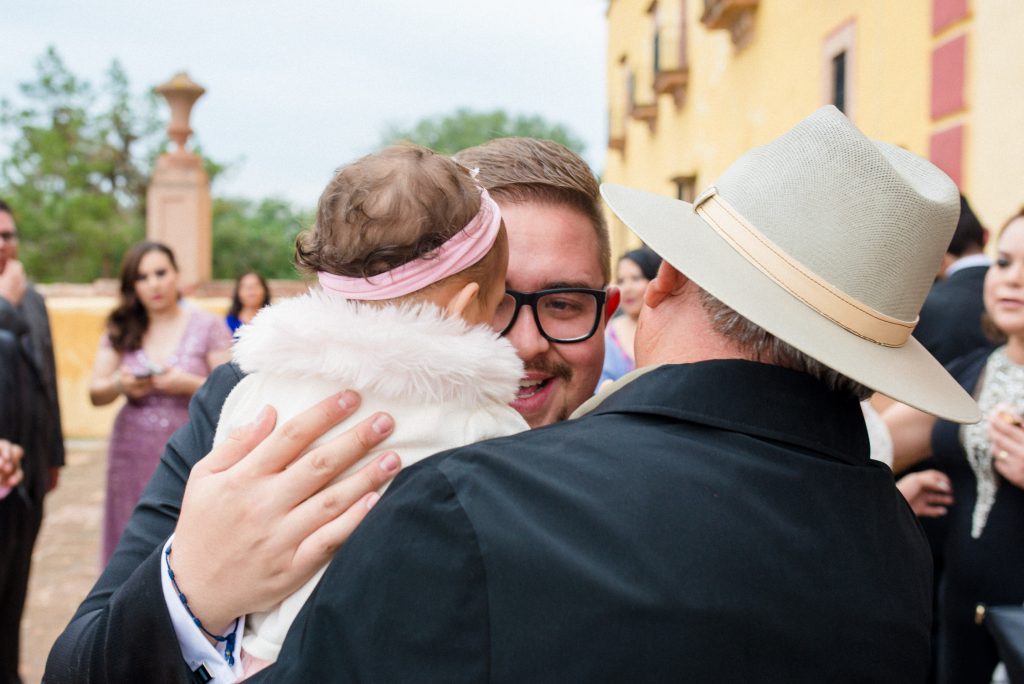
(950, 323)
(24, 321)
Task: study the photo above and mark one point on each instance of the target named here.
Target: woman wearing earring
(157, 351)
(984, 557)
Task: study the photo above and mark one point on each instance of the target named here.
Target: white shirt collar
(967, 262)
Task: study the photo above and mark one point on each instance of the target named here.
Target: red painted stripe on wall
(946, 12)
(948, 68)
(946, 150)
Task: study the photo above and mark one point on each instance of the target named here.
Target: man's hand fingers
(339, 498)
(315, 469)
(320, 546)
(328, 461)
(240, 442)
(289, 440)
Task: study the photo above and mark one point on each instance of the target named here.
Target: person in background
(636, 269)
(950, 324)
(983, 554)
(32, 414)
(156, 352)
(251, 294)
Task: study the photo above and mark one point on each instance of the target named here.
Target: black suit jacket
(10, 384)
(712, 522)
(950, 324)
(122, 631)
(39, 429)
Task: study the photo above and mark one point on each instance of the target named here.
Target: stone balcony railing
(736, 16)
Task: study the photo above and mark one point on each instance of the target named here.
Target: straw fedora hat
(827, 240)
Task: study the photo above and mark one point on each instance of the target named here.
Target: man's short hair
(969, 235)
(543, 171)
(6, 208)
(764, 347)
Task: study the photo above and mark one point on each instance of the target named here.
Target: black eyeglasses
(562, 314)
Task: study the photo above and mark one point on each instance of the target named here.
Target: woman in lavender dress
(157, 351)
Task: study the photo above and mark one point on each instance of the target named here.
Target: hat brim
(672, 229)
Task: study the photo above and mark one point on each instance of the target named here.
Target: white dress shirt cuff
(195, 648)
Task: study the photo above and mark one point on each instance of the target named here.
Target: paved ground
(66, 559)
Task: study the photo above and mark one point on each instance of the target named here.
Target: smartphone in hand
(149, 371)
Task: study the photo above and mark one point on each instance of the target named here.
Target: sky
(296, 88)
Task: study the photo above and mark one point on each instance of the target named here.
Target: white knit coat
(446, 384)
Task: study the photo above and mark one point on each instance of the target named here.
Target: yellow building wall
(739, 98)
(994, 161)
(77, 324)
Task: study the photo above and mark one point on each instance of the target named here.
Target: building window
(671, 73)
(839, 68)
(839, 81)
(657, 51)
(686, 188)
(655, 20)
(630, 90)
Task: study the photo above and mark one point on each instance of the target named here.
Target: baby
(411, 256)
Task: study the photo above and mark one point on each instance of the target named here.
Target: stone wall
(77, 317)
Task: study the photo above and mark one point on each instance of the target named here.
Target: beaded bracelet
(228, 641)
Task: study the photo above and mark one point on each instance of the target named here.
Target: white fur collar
(397, 351)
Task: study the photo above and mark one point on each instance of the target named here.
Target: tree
(78, 169)
(449, 133)
(259, 236)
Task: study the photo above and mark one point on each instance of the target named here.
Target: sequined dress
(143, 426)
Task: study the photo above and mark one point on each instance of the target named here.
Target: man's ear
(457, 304)
(668, 281)
(611, 302)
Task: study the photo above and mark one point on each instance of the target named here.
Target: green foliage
(78, 168)
(65, 175)
(257, 236)
(449, 133)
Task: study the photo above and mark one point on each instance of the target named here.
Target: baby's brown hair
(387, 209)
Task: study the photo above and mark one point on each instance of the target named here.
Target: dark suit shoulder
(404, 600)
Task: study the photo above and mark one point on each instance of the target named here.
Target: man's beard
(556, 371)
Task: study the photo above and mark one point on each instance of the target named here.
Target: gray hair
(764, 347)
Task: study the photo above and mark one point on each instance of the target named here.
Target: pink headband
(461, 251)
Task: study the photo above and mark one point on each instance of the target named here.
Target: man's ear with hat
(827, 240)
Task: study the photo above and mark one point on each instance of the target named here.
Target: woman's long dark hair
(128, 322)
(646, 258)
(236, 302)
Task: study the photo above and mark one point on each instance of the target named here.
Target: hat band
(807, 286)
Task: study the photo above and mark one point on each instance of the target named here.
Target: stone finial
(181, 92)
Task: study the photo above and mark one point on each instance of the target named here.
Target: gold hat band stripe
(797, 279)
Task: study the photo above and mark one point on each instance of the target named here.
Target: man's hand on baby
(11, 473)
(257, 520)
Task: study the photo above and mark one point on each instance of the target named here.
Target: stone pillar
(178, 208)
